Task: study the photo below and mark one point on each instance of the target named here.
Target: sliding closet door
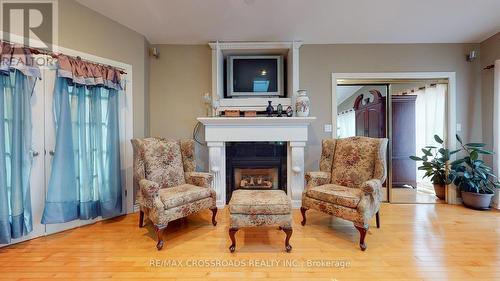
(361, 111)
(418, 112)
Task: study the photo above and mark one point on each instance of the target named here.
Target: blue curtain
(85, 180)
(15, 155)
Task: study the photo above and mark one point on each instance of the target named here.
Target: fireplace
(276, 135)
(255, 165)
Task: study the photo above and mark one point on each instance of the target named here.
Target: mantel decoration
(212, 104)
(279, 109)
(269, 109)
(207, 100)
(302, 104)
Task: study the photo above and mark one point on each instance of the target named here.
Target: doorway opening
(407, 111)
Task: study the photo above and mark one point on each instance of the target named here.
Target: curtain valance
(14, 57)
(78, 71)
(87, 73)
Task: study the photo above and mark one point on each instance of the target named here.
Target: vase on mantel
(269, 109)
(302, 104)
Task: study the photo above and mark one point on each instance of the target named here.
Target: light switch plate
(459, 127)
(328, 128)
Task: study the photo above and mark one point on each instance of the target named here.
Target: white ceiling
(312, 21)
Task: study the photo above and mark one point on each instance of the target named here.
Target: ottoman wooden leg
(288, 231)
(232, 232)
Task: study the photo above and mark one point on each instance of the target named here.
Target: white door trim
(496, 130)
(450, 105)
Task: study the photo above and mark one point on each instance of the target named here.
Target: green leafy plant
(434, 162)
(471, 174)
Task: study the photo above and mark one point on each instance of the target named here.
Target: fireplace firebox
(255, 165)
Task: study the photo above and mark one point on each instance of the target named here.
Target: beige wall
(490, 51)
(85, 30)
(183, 73)
(178, 79)
(317, 62)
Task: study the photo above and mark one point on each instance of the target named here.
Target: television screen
(255, 75)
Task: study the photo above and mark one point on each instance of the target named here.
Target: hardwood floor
(415, 242)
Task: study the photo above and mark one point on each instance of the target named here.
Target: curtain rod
(40, 51)
(491, 66)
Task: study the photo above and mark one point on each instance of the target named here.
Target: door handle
(51, 153)
(35, 153)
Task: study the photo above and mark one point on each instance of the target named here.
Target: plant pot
(477, 201)
(440, 190)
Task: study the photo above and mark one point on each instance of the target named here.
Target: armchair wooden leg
(141, 218)
(303, 211)
(288, 231)
(232, 232)
(159, 233)
(214, 213)
(377, 217)
(362, 234)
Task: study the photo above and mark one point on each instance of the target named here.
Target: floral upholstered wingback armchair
(167, 184)
(349, 183)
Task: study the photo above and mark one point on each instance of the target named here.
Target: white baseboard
(136, 208)
(296, 204)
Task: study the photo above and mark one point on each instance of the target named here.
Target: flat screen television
(255, 76)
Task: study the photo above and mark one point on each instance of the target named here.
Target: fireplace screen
(256, 178)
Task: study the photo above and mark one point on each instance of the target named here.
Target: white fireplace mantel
(293, 130)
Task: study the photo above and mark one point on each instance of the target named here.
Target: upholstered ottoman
(251, 208)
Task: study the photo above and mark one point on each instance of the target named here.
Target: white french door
(49, 79)
(38, 168)
(43, 146)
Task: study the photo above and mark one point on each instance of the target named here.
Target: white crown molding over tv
(451, 121)
(220, 50)
(293, 130)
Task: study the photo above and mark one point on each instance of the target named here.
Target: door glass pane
(418, 113)
(362, 111)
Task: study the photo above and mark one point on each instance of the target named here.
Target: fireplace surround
(291, 130)
(255, 165)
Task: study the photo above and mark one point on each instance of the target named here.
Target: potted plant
(434, 164)
(473, 177)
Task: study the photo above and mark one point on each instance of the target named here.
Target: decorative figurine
(279, 108)
(269, 109)
(289, 111)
